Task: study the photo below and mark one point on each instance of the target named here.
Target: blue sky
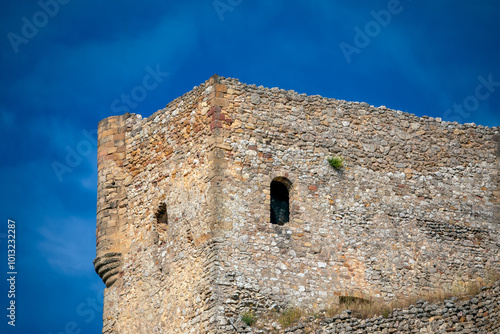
(66, 64)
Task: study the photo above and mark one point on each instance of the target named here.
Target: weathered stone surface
(107, 267)
(456, 319)
(415, 208)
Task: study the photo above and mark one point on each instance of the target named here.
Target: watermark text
(223, 6)
(363, 36)
(30, 28)
(11, 272)
(461, 111)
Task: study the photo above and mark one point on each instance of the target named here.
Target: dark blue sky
(66, 64)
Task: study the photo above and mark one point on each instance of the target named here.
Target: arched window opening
(161, 214)
(280, 202)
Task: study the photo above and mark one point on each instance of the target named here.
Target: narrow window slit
(280, 201)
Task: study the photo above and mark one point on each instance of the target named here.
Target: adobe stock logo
(483, 91)
(86, 146)
(372, 29)
(225, 6)
(29, 28)
(75, 156)
(87, 311)
(139, 93)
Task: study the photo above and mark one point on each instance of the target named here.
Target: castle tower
(224, 202)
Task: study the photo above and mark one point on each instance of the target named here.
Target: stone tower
(224, 201)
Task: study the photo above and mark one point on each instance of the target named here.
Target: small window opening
(161, 225)
(280, 203)
(161, 214)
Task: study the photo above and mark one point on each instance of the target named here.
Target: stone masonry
(185, 242)
(477, 314)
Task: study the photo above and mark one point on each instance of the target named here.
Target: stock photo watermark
(76, 155)
(138, 93)
(221, 6)
(11, 271)
(87, 311)
(30, 28)
(461, 111)
(364, 36)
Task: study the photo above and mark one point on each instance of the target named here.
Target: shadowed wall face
(280, 211)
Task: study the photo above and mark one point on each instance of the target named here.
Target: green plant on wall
(248, 318)
(337, 162)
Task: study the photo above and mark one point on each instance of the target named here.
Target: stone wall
(479, 314)
(165, 280)
(416, 206)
